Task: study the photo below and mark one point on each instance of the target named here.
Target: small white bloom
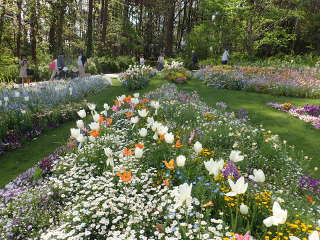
(108, 152)
(181, 161)
(110, 162)
(75, 132)
(6, 99)
(80, 138)
(92, 139)
(169, 138)
(16, 94)
(244, 209)
(138, 152)
(134, 120)
(258, 176)
(143, 113)
(143, 132)
(106, 106)
(82, 113)
(235, 156)
(135, 101)
(155, 136)
(94, 126)
(91, 106)
(26, 98)
(197, 147)
(80, 124)
(23, 111)
(136, 95)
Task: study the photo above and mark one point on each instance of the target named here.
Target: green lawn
(296, 132)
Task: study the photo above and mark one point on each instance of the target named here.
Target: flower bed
(277, 81)
(170, 168)
(175, 72)
(307, 113)
(26, 112)
(136, 77)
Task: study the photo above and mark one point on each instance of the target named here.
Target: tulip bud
(197, 147)
(143, 132)
(138, 152)
(181, 161)
(169, 138)
(82, 113)
(244, 209)
(80, 124)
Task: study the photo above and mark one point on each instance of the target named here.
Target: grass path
(296, 132)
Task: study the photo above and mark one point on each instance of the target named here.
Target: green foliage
(113, 65)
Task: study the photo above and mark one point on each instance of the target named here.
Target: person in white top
(225, 57)
(160, 62)
(80, 66)
(141, 60)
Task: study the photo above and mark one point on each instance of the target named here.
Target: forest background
(114, 32)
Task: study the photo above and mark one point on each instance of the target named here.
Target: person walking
(60, 63)
(141, 60)
(23, 69)
(82, 60)
(194, 60)
(54, 67)
(225, 57)
(160, 62)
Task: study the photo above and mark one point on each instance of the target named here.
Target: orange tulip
(139, 145)
(178, 144)
(127, 99)
(125, 176)
(161, 137)
(95, 133)
(310, 199)
(170, 164)
(101, 119)
(129, 114)
(166, 182)
(208, 204)
(127, 152)
(109, 121)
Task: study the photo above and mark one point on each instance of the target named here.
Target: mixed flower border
(171, 168)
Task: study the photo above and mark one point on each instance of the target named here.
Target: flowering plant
(136, 77)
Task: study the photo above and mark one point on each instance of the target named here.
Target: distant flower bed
(175, 72)
(26, 112)
(164, 166)
(276, 81)
(308, 113)
(136, 77)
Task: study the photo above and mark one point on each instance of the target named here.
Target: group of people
(57, 66)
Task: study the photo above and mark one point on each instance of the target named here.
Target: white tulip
(135, 101)
(279, 216)
(75, 132)
(240, 187)
(6, 99)
(182, 195)
(235, 156)
(169, 138)
(258, 176)
(96, 117)
(138, 152)
(16, 94)
(136, 95)
(197, 147)
(121, 98)
(94, 126)
(110, 162)
(162, 130)
(244, 209)
(106, 106)
(134, 120)
(181, 161)
(143, 113)
(80, 124)
(23, 111)
(26, 98)
(214, 167)
(108, 152)
(91, 106)
(92, 139)
(155, 136)
(143, 132)
(81, 138)
(155, 104)
(155, 125)
(82, 113)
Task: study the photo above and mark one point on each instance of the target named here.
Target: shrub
(136, 77)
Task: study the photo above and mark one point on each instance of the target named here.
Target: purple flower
(231, 170)
(312, 110)
(311, 184)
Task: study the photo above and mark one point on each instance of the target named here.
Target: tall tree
(89, 42)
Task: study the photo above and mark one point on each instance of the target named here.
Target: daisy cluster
(165, 166)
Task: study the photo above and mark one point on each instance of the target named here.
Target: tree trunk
(59, 29)
(33, 31)
(170, 27)
(19, 34)
(90, 29)
(104, 21)
(3, 12)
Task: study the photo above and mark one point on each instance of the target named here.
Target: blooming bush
(136, 77)
(171, 168)
(308, 113)
(175, 72)
(271, 80)
(26, 112)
